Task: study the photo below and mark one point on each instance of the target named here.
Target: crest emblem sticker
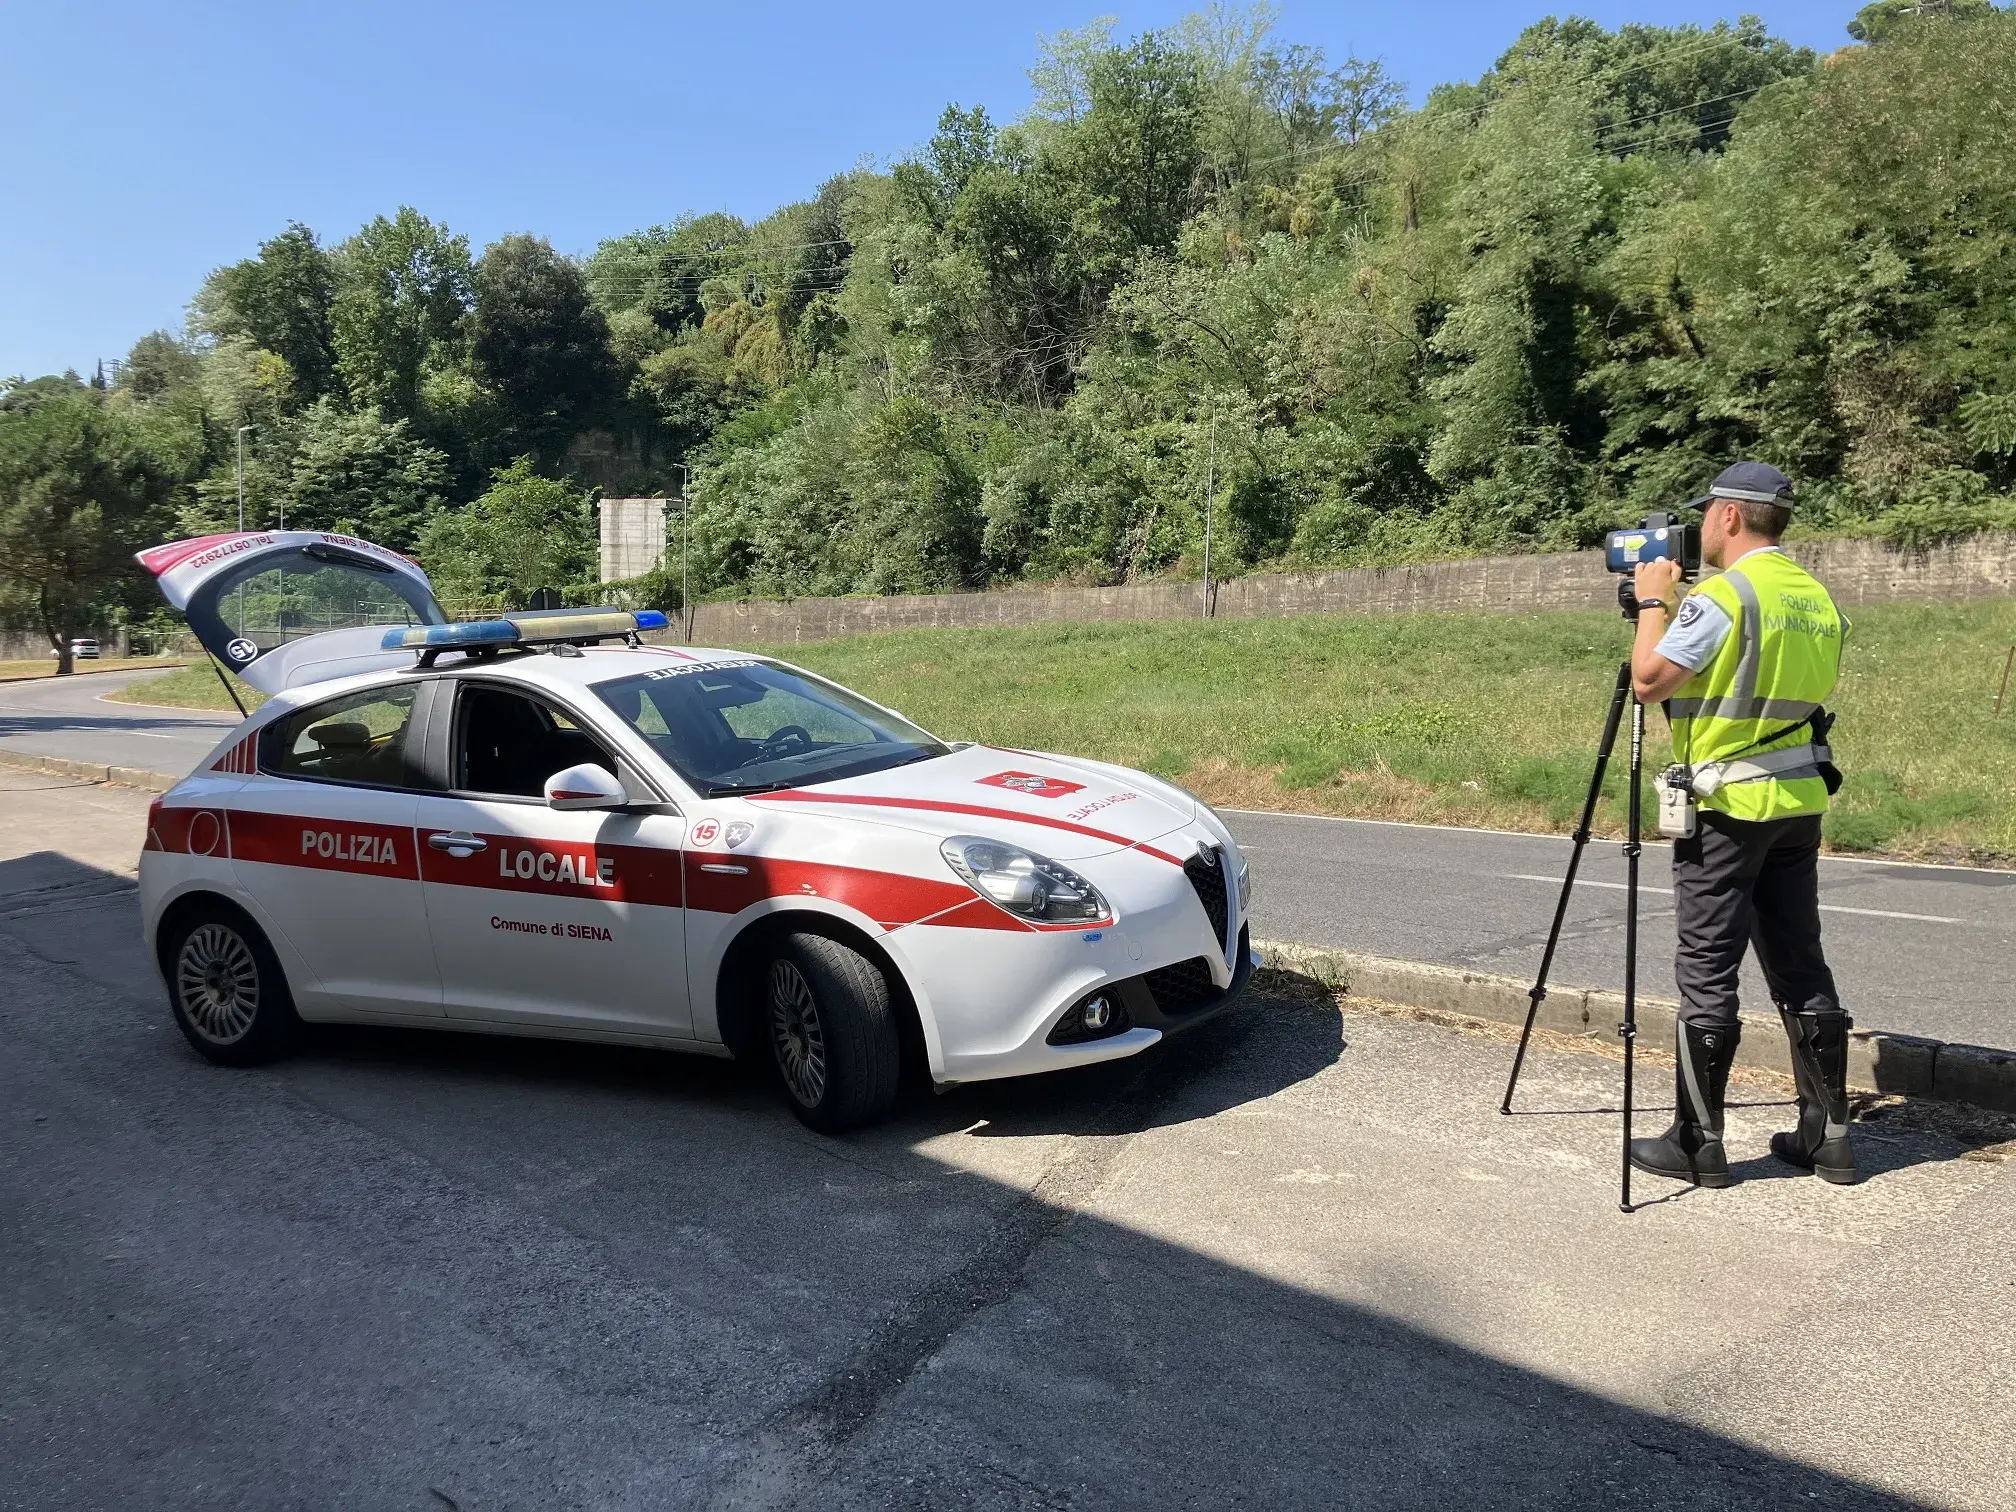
(1033, 785)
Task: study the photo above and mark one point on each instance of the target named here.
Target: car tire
(226, 988)
(832, 1032)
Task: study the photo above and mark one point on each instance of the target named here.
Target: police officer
(1743, 665)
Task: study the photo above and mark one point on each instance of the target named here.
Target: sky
(149, 143)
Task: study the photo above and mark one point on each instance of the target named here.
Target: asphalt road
(1295, 1261)
(70, 716)
(1916, 949)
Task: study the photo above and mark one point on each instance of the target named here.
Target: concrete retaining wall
(33, 645)
(633, 537)
(1855, 571)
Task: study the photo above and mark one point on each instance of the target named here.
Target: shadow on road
(15, 722)
(504, 1272)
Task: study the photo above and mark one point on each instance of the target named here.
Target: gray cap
(1753, 482)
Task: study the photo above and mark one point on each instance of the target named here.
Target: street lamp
(1210, 501)
(685, 534)
(241, 477)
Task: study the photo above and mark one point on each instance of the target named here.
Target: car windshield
(753, 726)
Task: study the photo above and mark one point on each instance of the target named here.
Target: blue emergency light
(542, 627)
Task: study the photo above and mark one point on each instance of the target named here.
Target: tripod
(1628, 1030)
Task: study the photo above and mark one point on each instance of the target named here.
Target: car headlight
(1026, 884)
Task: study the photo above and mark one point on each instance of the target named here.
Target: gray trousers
(1741, 883)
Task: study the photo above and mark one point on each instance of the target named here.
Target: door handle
(460, 844)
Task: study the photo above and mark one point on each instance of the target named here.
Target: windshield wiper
(740, 789)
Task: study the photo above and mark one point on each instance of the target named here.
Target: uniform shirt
(1693, 638)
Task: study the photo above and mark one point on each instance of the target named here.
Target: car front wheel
(225, 985)
(832, 1032)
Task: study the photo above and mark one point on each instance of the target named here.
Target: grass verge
(22, 671)
(1468, 719)
(1471, 719)
(193, 686)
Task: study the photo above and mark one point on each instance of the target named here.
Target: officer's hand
(1657, 580)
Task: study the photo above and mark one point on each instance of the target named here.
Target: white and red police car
(539, 825)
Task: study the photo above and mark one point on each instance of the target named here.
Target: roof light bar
(453, 637)
(537, 628)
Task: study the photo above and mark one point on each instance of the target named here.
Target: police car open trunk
(282, 608)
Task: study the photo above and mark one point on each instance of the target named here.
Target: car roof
(559, 674)
(599, 664)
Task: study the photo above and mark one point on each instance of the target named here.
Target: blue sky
(146, 144)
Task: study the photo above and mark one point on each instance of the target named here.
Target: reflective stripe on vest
(1779, 663)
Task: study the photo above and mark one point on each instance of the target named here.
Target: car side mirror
(586, 786)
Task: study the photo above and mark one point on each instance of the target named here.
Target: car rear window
(359, 738)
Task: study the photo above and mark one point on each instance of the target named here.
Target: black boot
(1692, 1149)
(1820, 1068)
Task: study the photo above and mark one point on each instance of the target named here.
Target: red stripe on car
(891, 899)
(239, 758)
(943, 806)
(377, 850)
(556, 868)
(188, 831)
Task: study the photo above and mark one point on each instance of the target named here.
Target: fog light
(1097, 1013)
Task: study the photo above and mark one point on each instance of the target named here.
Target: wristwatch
(1655, 603)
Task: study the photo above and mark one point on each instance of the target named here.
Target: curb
(1908, 1065)
(89, 771)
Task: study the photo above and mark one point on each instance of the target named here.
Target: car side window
(359, 738)
(507, 744)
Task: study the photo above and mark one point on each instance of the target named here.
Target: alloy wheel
(217, 983)
(796, 1033)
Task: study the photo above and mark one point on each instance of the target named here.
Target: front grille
(1181, 987)
(1207, 875)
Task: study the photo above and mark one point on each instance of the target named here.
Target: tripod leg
(1632, 851)
(1538, 994)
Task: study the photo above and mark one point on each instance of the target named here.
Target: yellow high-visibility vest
(1779, 664)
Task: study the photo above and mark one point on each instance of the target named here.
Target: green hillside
(1206, 260)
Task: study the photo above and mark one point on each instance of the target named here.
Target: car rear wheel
(832, 1032)
(225, 985)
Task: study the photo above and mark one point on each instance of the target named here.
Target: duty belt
(1786, 765)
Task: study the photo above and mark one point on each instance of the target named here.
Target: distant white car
(84, 648)
(541, 826)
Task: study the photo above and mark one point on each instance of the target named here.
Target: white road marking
(1867, 913)
(1467, 829)
(1584, 882)
(1886, 913)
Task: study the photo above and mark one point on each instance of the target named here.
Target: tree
(661, 271)
(157, 366)
(525, 533)
(1885, 18)
(1141, 141)
(77, 498)
(280, 302)
(403, 298)
(364, 475)
(539, 343)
